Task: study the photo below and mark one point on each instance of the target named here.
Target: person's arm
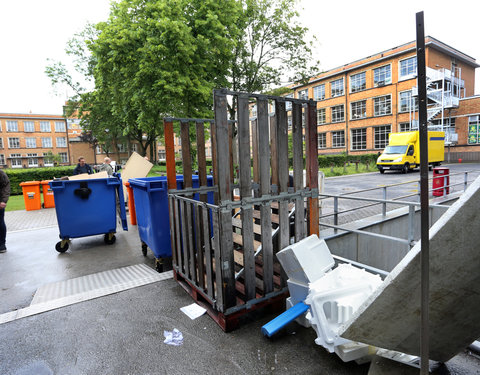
(75, 171)
(4, 189)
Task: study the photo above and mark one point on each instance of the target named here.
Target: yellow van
(403, 151)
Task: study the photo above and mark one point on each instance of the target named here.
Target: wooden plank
(282, 171)
(186, 155)
(237, 223)
(171, 217)
(273, 149)
(238, 239)
(219, 291)
(231, 125)
(246, 193)
(312, 166)
(177, 236)
(202, 177)
(224, 195)
(256, 174)
(200, 261)
(298, 170)
(170, 155)
(273, 217)
(265, 209)
(208, 251)
(201, 157)
(213, 139)
(275, 205)
(185, 226)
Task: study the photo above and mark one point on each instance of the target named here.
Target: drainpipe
(346, 113)
(68, 142)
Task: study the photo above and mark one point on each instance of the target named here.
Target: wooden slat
(170, 155)
(237, 223)
(208, 251)
(200, 261)
(265, 210)
(282, 171)
(256, 174)
(246, 193)
(237, 239)
(219, 291)
(274, 148)
(273, 217)
(177, 236)
(224, 194)
(312, 166)
(213, 139)
(171, 216)
(202, 177)
(298, 170)
(186, 155)
(275, 205)
(185, 227)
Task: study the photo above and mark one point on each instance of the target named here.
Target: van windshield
(395, 150)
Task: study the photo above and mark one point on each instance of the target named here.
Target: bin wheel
(109, 238)
(144, 249)
(159, 265)
(59, 247)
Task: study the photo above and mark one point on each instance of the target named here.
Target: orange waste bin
(48, 201)
(31, 195)
(131, 204)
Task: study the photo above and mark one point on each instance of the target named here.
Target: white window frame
(61, 142)
(409, 74)
(378, 105)
(30, 142)
(322, 140)
(321, 116)
(473, 121)
(162, 155)
(356, 143)
(337, 86)
(60, 127)
(47, 162)
(1, 142)
(16, 144)
(363, 110)
(380, 136)
(45, 143)
(12, 126)
(2, 159)
(401, 107)
(353, 78)
(335, 110)
(43, 126)
(16, 160)
(63, 157)
(29, 126)
(335, 135)
(404, 127)
(303, 94)
(121, 147)
(32, 160)
(317, 92)
(134, 147)
(288, 104)
(384, 82)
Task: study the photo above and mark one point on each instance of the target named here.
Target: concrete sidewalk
(123, 333)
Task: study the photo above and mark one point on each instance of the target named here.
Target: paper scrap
(193, 311)
(173, 338)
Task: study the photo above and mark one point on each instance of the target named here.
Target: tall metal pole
(422, 115)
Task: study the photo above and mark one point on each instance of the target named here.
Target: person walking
(82, 167)
(106, 166)
(4, 195)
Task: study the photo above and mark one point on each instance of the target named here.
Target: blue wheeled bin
(153, 221)
(87, 208)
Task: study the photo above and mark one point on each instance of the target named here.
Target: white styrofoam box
(298, 291)
(334, 298)
(307, 260)
(355, 351)
(303, 320)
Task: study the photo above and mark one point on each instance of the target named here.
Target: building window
(30, 142)
(382, 105)
(322, 140)
(29, 126)
(338, 139)
(407, 101)
(1, 142)
(288, 103)
(16, 160)
(303, 94)
(408, 68)
(254, 111)
(382, 76)
(63, 157)
(98, 150)
(359, 139)
(47, 160)
(32, 160)
(473, 131)
(337, 87)
(12, 126)
(134, 147)
(404, 127)
(359, 109)
(121, 147)
(45, 126)
(60, 126)
(338, 113)
(319, 92)
(381, 136)
(2, 159)
(61, 142)
(46, 142)
(358, 82)
(13, 142)
(162, 155)
(321, 118)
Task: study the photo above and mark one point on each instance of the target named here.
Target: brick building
(26, 140)
(361, 102)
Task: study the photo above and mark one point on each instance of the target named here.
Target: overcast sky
(31, 31)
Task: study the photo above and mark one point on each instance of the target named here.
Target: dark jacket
(85, 169)
(4, 187)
